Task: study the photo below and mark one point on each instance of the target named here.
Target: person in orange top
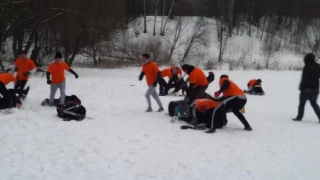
(198, 83)
(8, 98)
(254, 87)
(151, 70)
(173, 73)
(202, 114)
(58, 80)
(234, 99)
(25, 67)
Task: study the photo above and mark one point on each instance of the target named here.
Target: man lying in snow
(254, 87)
(68, 100)
(71, 111)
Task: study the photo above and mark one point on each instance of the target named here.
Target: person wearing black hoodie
(309, 86)
(198, 83)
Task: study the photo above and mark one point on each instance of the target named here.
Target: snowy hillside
(122, 142)
(241, 51)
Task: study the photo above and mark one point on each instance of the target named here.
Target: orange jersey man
(174, 74)
(198, 82)
(151, 70)
(234, 100)
(58, 80)
(24, 67)
(255, 87)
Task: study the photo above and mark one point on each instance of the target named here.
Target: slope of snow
(121, 142)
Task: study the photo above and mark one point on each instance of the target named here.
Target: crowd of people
(198, 108)
(12, 98)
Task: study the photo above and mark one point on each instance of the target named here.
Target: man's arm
(48, 78)
(225, 86)
(74, 73)
(141, 76)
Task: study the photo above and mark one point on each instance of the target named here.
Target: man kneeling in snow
(254, 87)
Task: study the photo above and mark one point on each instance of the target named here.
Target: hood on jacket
(309, 59)
(187, 68)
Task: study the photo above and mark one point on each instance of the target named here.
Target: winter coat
(310, 73)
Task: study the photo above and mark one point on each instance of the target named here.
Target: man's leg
(62, 88)
(148, 94)
(5, 100)
(313, 101)
(19, 87)
(156, 97)
(235, 104)
(162, 86)
(302, 103)
(53, 90)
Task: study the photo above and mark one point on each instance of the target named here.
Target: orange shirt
(204, 104)
(151, 70)
(198, 78)
(57, 72)
(252, 82)
(166, 73)
(7, 78)
(24, 66)
(233, 89)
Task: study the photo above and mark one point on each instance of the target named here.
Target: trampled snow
(120, 141)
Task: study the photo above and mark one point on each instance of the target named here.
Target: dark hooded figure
(198, 83)
(309, 86)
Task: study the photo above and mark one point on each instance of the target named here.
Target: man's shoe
(296, 119)
(149, 109)
(248, 128)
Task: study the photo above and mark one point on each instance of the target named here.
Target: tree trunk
(163, 12)
(155, 18)
(145, 16)
(231, 6)
(165, 24)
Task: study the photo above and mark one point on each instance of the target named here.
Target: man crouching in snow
(8, 98)
(151, 70)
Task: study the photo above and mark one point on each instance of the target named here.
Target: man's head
(309, 58)
(186, 68)
(224, 76)
(145, 57)
(23, 55)
(259, 81)
(58, 57)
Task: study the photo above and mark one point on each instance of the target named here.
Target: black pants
(218, 122)
(234, 104)
(312, 96)
(171, 84)
(162, 86)
(197, 93)
(19, 87)
(5, 101)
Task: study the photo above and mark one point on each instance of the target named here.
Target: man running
(151, 70)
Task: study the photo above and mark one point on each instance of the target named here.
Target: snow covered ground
(122, 142)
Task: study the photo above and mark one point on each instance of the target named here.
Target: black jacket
(310, 73)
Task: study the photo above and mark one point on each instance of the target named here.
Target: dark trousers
(219, 120)
(5, 101)
(19, 87)
(197, 93)
(162, 86)
(234, 104)
(312, 96)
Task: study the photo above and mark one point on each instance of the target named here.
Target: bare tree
(163, 28)
(145, 16)
(182, 22)
(313, 36)
(197, 38)
(155, 18)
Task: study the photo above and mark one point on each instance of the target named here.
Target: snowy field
(122, 142)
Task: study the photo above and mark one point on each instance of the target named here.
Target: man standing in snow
(56, 70)
(198, 83)
(234, 99)
(309, 86)
(24, 66)
(151, 70)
